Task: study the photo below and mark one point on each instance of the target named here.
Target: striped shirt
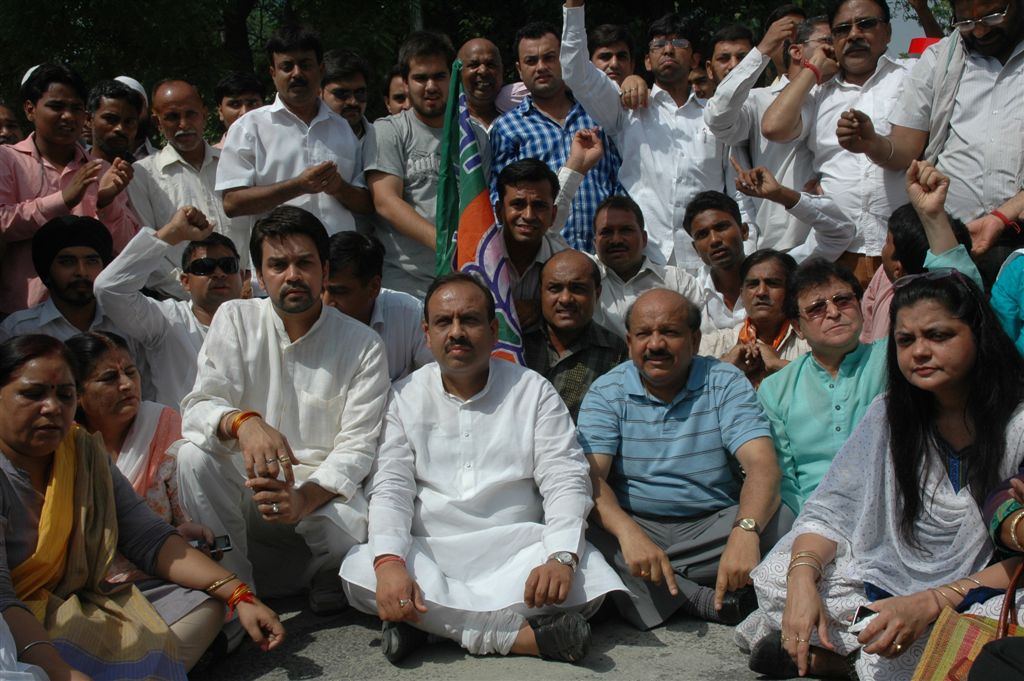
(525, 132)
(675, 459)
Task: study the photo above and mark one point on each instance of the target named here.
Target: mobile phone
(221, 543)
(861, 619)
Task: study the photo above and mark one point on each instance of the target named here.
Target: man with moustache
(295, 151)
(666, 436)
(569, 348)
(949, 111)
(287, 388)
(114, 111)
(10, 128)
(613, 51)
(865, 79)
(482, 78)
(183, 173)
(543, 127)
(403, 176)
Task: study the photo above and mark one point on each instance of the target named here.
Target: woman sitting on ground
(64, 512)
(136, 434)
(896, 522)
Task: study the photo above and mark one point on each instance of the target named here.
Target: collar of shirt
(885, 66)
(28, 146)
(593, 336)
(661, 97)
(695, 381)
(322, 113)
(282, 333)
(526, 109)
(780, 83)
(49, 313)
(851, 361)
(168, 156)
(647, 266)
(436, 368)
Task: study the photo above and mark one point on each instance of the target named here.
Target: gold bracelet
(220, 582)
(957, 588)
(944, 597)
(808, 554)
(1013, 532)
(798, 564)
(972, 579)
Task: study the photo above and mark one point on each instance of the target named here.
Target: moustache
(183, 133)
(855, 45)
(657, 354)
(288, 288)
(298, 82)
(458, 343)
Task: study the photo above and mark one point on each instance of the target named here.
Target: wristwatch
(565, 558)
(748, 524)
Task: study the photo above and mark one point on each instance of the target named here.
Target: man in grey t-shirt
(404, 175)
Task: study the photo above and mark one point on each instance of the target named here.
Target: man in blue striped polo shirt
(686, 482)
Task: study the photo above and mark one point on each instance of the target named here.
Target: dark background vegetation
(202, 39)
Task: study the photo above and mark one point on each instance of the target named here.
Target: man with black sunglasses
(961, 95)
(171, 331)
(865, 79)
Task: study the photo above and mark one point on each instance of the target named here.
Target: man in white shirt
(957, 99)
(296, 388)
(478, 501)
(734, 116)
(868, 81)
(295, 151)
(356, 264)
(171, 331)
(620, 238)
(183, 173)
(668, 154)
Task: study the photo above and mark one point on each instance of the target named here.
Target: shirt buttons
(838, 429)
(831, 385)
(838, 408)
(469, 465)
(465, 435)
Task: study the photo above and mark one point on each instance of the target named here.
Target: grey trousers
(693, 545)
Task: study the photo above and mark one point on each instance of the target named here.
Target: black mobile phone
(221, 543)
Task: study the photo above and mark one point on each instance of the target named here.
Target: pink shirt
(30, 196)
(875, 307)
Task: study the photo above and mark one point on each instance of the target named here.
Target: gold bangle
(972, 579)
(1013, 532)
(33, 644)
(944, 597)
(220, 582)
(957, 588)
(808, 564)
(892, 150)
(808, 554)
(240, 418)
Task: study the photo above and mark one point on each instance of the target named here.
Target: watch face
(748, 524)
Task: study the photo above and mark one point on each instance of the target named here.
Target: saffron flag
(468, 237)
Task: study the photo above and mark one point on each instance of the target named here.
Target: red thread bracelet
(241, 594)
(390, 558)
(1007, 221)
(813, 69)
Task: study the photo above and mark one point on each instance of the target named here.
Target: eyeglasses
(359, 94)
(827, 40)
(204, 267)
(864, 25)
(677, 43)
(819, 308)
(967, 25)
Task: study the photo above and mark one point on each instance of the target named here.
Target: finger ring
(897, 646)
(270, 461)
(784, 638)
(802, 640)
(402, 602)
(643, 573)
(274, 508)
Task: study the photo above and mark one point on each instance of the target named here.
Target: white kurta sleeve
(391, 488)
(598, 93)
(729, 114)
(355, 444)
(220, 382)
(562, 475)
(118, 289)
(237, 164)
(831, 232)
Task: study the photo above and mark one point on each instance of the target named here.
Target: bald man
(183, 173)
(481, 79)
(667, 435)
(569, 348)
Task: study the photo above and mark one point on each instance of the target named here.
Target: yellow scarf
(42, 571)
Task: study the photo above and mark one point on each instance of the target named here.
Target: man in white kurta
(478, 498)
(314, 383)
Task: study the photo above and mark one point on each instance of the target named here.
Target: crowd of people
(771, 311)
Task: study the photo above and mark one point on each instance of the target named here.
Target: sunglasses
(359, 94)
(843, 302)
(678, 43)
(931, 275)
(204, 267)
(967, 25)
(864, 25)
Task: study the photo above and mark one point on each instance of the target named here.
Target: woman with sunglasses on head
(896, 524)
(64, 512)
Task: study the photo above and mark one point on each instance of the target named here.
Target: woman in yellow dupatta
(64, 514)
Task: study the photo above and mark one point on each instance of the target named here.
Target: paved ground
(347, 646)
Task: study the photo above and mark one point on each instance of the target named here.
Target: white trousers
(213, 493)
(480, 633)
